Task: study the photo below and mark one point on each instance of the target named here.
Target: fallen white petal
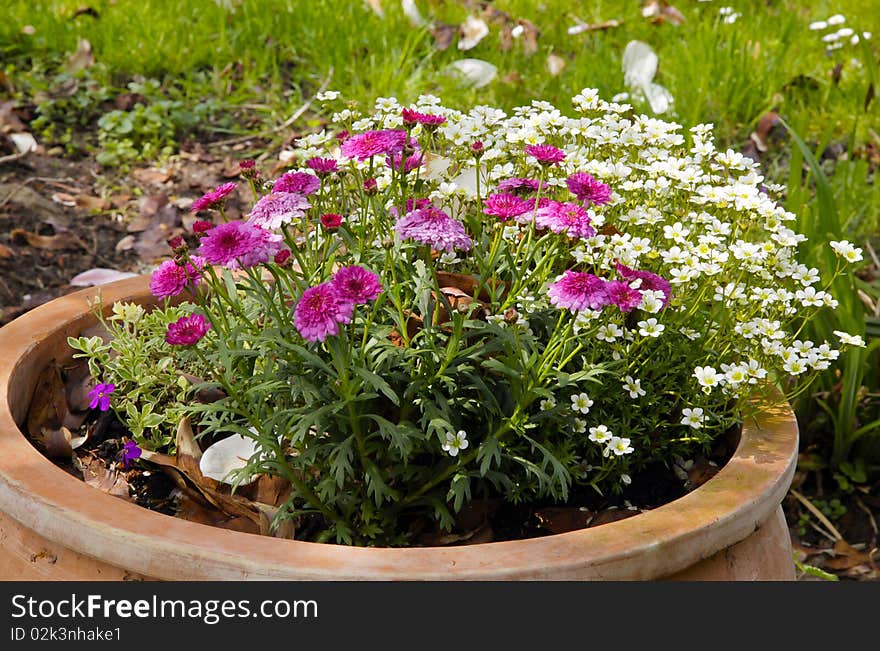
(226, 456)
(99, 276)
(476, 72)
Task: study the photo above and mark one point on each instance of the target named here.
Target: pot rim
(66, 511)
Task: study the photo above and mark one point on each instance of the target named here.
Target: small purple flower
(130, 452)
(435, 228)
(588, 189)
(577, 291)
(545, 154)
(187, 330)
(100, 396)
(213, 198)
(297, 182)
(319, 312)
(356, 285)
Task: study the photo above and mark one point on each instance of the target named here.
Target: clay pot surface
(54, 526)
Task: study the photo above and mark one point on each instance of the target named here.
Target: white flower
(548, 403)
(819, 25)
(633, 386)
(852, 340)
(609, 332)
(579, 426)
(455, 442)
(625, 479)
(707, 377)
(327, 96)
(619, 446)
(847, 251)
(692, 417)
(600, 434)
(836, 19)
(795, 366)
(581, 403)
(650, 328)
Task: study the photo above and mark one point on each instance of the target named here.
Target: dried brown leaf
(82, 58)
(5, 252)
(847, 557)
(152, 176)
(57, 242)
(443, 35)
(96, 474)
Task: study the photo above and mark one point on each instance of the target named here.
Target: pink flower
(649, 281)
(278, 208)
(564, 217)
(622, 295)
(319, 312)
(506, 206)
(170, 278)
(435, 228)
(578, 290)
(212, 198)
(331, 221)
(411, 162)
(519, 185)
(238, 244)
(373, 143)
(100, 396)
(411, 204)
(187, 330)
(298, 182)
(322, 166)
(429, 120)
(356, 285)
(200, 226)
(588, 189)
(545, 154)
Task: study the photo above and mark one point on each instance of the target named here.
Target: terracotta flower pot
(54, 526)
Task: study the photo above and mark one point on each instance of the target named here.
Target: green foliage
(154, 382)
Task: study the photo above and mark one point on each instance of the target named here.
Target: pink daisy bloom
(506, 206)
(649, 281)
(213, 198)
(588, 189)
(430, 120)
(356, 285)
(278, 208)
(435, 228)
(322, 166)
(373, 143)
(238, 244)
(408, 164)
(411, 204)
(577, 291)
(519, 185)
(297, 182)
(170, 278)
(545, 154)
(565, 217)
(622, 295)
(319, 312)
(187, 330)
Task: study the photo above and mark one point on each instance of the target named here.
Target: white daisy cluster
(837, 33)
(713, 258)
